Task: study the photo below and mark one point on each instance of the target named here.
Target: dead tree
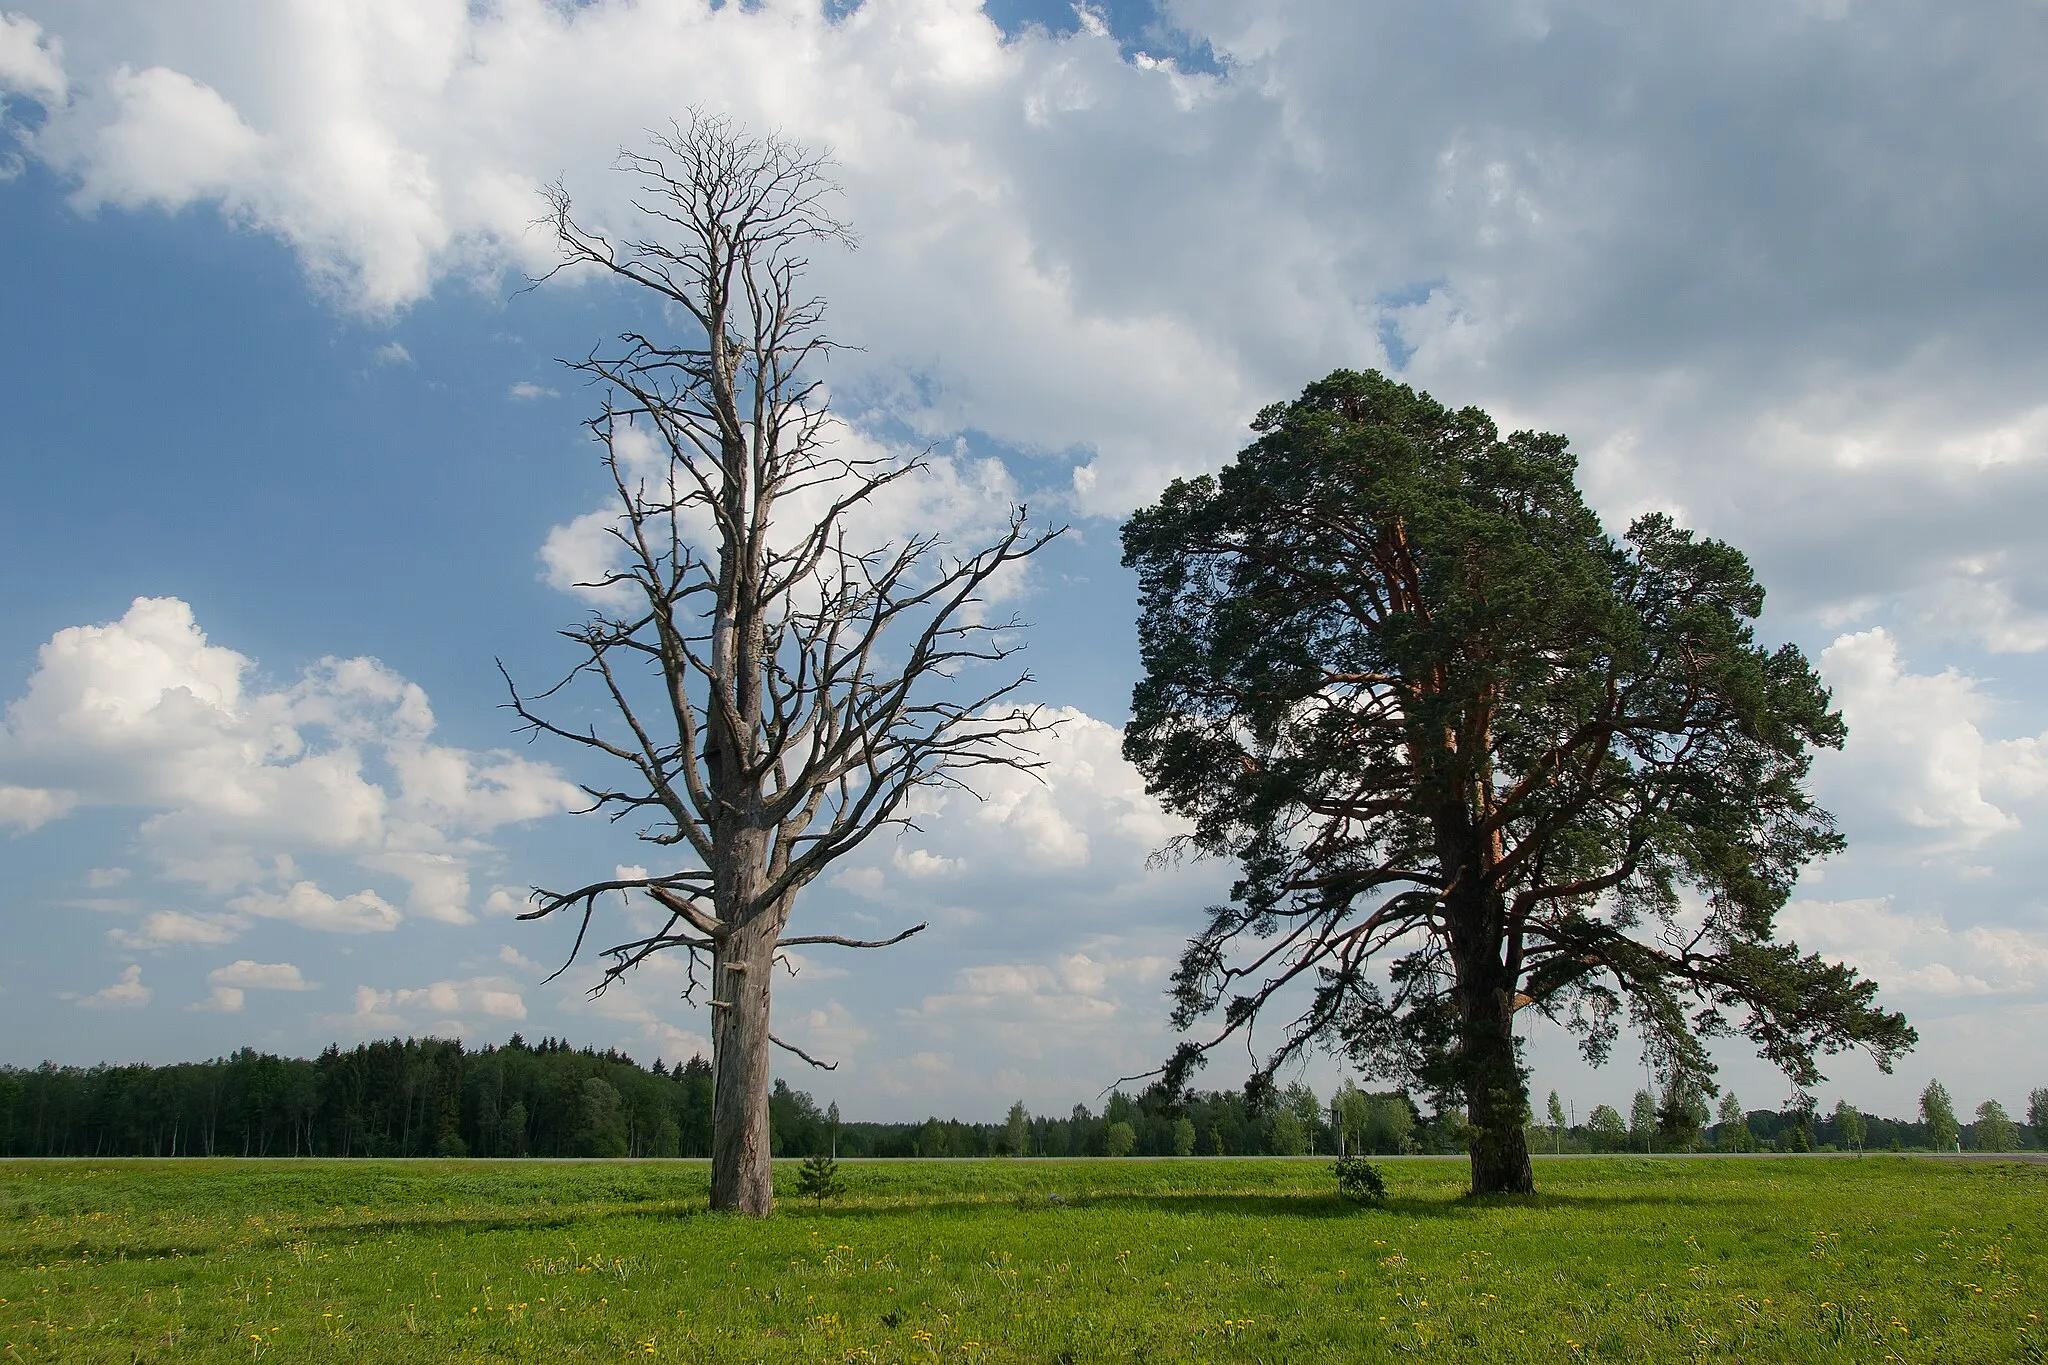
(780, 683)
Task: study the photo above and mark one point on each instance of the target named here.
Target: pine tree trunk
(742, 1180)
(1495, 1092)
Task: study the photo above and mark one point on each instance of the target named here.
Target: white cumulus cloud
(236, 783)
(172, 928)
(172, 140)
(452, 1004)
(126, 994)
(1920, 953)
(261, 976)
(1917, 748)
(31, 62)
(307, 906)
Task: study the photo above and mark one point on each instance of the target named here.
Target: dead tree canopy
(780, 675)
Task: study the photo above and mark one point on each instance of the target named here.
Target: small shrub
(1359, 1179)
(819, 1179)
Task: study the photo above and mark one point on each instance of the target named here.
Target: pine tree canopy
(1473, 754)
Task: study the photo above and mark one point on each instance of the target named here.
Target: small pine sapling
(819, 1179)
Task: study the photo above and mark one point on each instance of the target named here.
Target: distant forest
(433, 1097)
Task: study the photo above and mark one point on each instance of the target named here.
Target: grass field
(1617, 1259)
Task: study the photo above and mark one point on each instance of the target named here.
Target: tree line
(1683, 1123)
(433, 1097)
(420, 1097)
(394, 1097)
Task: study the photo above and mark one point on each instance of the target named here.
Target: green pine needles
(818, 1179)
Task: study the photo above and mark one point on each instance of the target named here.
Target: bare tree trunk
(742, 1178)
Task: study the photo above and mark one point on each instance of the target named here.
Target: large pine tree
(1475, 755)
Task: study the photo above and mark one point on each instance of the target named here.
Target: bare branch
(792, 1047)
(838, 942)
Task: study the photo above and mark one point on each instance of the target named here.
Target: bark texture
(1496, 1094)
(1487, 1061)
(742, 1179)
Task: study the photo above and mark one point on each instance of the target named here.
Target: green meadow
(1872, 1259)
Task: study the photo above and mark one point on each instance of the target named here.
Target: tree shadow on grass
(425, 1222)
(1299, 1207)
(500, 1220)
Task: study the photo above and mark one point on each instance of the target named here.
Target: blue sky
(1773, 268)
